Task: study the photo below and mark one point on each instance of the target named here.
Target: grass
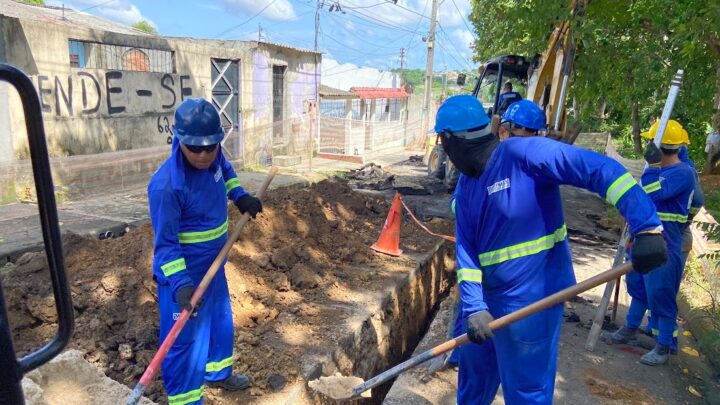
(712, 202)
(704, 294)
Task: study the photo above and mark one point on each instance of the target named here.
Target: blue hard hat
(526, 114)
(197, 123)
(463, 113)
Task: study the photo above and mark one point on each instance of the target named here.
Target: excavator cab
(493, 77)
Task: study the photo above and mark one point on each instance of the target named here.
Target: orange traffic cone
(389, 240)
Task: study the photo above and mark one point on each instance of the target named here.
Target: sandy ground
(610, 374)
(298, 276)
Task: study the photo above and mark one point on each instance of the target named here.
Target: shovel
(557, 298)
(154, 366)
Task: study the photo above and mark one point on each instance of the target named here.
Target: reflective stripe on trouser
(522, 355)
(206, 338)
(656, 291)
(671, 217)
(523, 249)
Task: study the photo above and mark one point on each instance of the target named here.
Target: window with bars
(94, 55)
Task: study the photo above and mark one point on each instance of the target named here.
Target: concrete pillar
(7, 153)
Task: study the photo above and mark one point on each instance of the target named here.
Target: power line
(97, 5)
(447, 37)
(413, 11)
(462, 16)
(246, 21)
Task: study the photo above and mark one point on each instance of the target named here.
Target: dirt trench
(297, 272)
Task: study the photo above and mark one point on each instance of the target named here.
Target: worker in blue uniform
(188, 197)
(670, 183)
(511, 124)
(512, 247)
(697, 202)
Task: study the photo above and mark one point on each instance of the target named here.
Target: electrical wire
(462, 16)
(97, 5)
(447, 37)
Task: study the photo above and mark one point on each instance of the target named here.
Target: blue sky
(364, 33)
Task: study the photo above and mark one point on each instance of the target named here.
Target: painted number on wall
(163, 127)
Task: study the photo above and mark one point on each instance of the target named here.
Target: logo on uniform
(176, 316)
(500, 185)
(218, 175)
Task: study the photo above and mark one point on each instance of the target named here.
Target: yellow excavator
(543, 79)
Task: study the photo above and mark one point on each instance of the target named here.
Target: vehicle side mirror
(461, 79)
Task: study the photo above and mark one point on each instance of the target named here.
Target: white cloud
(448, 14)
(343, 76)
(122, 11)
(279, 10)
(464, 37)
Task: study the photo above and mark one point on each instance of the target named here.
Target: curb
(702, 330)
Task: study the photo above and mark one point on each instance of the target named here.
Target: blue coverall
(512, 250)
(188, 211)
(672, 189)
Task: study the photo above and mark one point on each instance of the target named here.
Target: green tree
(627, 52)
(38, 2)
(145, 26)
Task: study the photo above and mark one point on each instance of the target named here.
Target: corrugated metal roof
(287, 47)
(326, 91)
(379, 92)
(54, 15)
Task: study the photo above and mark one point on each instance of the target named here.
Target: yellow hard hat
(674, 134)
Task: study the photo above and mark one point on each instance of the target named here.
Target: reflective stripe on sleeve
(619, 187)
(203, 236)
(469, 275)
(652, 187)
(173, 267)
(523, 249)
(231, 184)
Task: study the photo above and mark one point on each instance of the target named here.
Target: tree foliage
(145, 26)
(627, 52)
(38, 2)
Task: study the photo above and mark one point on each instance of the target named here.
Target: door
(278, 92)
(225, 77)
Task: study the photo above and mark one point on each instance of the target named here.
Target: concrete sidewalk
(115, 213)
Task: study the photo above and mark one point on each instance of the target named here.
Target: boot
(624, 335)
(232, 383)
(657, 356)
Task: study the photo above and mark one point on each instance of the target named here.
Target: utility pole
(402, 60)
(428, 72)
(444, 91)
(259, 32)
(315, 120)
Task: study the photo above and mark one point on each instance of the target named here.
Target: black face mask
(470, 155)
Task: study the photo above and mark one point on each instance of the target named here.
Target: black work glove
(249, 204)
(649, 251)
(653, 155)
(183, 295)
(478, 326)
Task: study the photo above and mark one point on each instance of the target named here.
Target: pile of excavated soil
(70, 380)
(292, 275)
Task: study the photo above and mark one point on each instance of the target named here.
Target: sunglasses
(201, 149)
